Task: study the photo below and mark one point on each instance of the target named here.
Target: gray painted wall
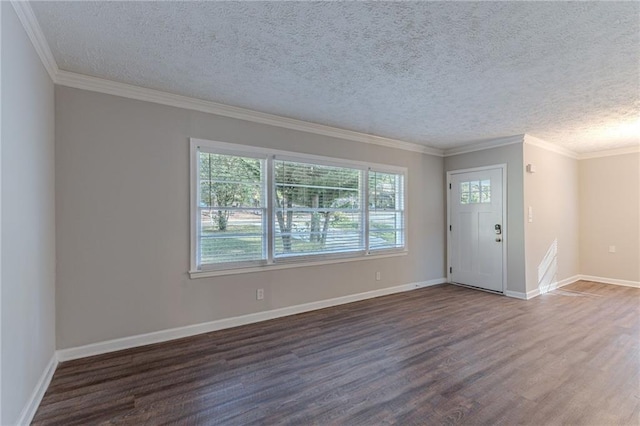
(28, 223)
(551, 240)
(122, 216)
(512, 155)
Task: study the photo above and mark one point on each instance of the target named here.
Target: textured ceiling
(440, 74)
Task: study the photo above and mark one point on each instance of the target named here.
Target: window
(386, 210)
(475, 192)
(231, 209)
(318, 209)
(258, 208)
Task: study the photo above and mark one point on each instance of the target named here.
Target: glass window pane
(231, 236)
(386, 210)
(232, 194)
(317, 209)
(383, 190)
(384, 239)
(230, 181)
(317, 232)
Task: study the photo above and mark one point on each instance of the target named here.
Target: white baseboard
(538, 291)
(613, 281)
(29, 410)
(515, 294)
(567, 281)
(556, 285)
(191, 330)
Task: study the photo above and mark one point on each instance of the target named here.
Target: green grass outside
(244, 248)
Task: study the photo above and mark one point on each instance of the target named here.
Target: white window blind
(253, 207)
(231, 209)
(386, 210)
(318, 209)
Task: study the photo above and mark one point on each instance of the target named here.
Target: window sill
(289, 265)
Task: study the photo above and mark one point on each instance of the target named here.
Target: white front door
(476, 235)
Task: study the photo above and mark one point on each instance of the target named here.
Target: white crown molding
(79, 81)
(32, 27)
(65, 78)
(531, 140)
(207, 327)
(484, 144)
(610, 152)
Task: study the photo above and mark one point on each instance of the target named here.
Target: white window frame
(321, 161)
(403, 203)
(269, 155)
(196, 213)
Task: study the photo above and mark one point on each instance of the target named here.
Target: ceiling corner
(532, 140)
(32, 27)
(481, 145)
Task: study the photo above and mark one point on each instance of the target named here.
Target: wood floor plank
(439, 355)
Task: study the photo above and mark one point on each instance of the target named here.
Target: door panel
(475, 210)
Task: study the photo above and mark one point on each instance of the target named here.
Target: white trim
(613, 281)
(484, 144)
(193, 206)
(29, 410)
(194, 274)
(555, 285)
(278, 154)
(79, 81)
(531, 140)
(610, 152)
(192, 330)
(476, 169)
(533, 293)
(1, 98)
(565, 282)
(515, 294)
(538, 291)
(505, 219)
(32, 27)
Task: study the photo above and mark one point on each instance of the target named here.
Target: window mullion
(196, 202)
(270, 194)
(365, 206)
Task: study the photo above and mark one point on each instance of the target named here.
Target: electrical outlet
(612, 249)
(377, 276)
(260, 294)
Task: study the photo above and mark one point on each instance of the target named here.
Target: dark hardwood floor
(439, 355)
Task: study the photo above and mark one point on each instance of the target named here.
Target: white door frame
(505, 229)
